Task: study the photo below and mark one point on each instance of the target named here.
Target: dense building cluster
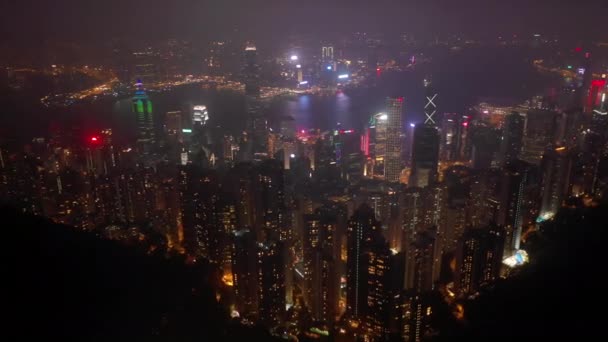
(347, 233)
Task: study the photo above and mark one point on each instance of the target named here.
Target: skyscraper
(430, 107)
(173, 123)
(450, 136)
(555, 169)
(479, 258)
(257, 121)
(425, 155)
(363, 231)
(511, 199)
(327, 53)
(320, 265)
(392, 163)
(377, 142)
(420, 262)
(200, 116)
(271, 282)
(142, 107)
(244, 271)
(512, 138)
(251, 71)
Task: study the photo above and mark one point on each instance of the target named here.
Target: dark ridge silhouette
(62, 284)
(560, 294)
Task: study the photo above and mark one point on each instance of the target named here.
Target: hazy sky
(100, 19)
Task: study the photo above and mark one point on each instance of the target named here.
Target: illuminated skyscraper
(327, 53)
(271, 282)
(379, 288)
(251, 71)
(420, 262)
(320, 270)
(269, 194)
(511, 200)
(142, 107)
(216, 57)
(377, 142)
(173, 123)
(597, 95)
(244, 271)
(555, 168)
(478, 258)
(205, 233)
(363, 231)
(146, 65)
(425, 156)
(257, 121)
(392, 162)
(200, 116)
(450, 137)
(430, 107)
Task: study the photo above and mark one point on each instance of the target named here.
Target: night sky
(25, 20)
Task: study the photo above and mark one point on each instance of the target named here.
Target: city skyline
(349, 186)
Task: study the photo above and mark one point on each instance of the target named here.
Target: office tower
(555, 170)
(244, 271)
(251, 71)
(512, 138)
(200, 116)
(597, 95)
(478, 259)
(142, 107)
(377, 142)
(326, 171)
(392, 163)
(327, 53)
(544, 127)
(217, 57)
(271, 282)
(173, 124)
(430, 107)
(257, 121)
(485, 144)
(349, 155)
(451, 141)
(363, 230)
(146, 66)
(425, 155)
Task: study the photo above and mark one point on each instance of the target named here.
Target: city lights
(257, 199)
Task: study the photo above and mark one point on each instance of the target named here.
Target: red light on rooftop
(578, 49)
(95, 139)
